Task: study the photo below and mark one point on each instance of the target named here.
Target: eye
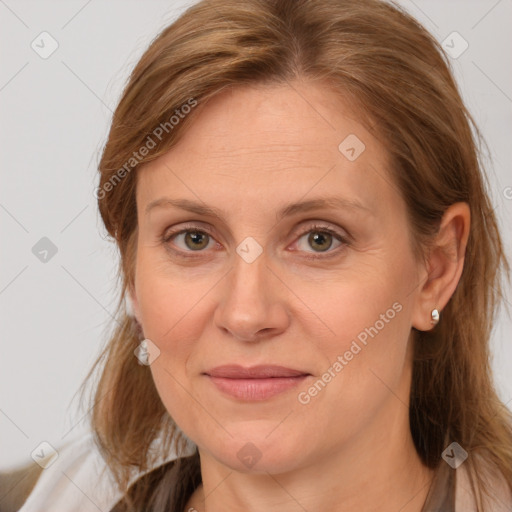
(189, 239)
(321, 239)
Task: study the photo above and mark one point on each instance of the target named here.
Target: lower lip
(256, 389)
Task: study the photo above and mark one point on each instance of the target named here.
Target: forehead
(259, 144)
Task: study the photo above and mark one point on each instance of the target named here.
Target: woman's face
(328, 289)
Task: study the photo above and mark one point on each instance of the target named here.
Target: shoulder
(77, 479)
(500, 494)
(80, 479)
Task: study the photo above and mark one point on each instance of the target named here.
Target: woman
(312, 265)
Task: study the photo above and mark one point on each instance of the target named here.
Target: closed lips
(255, 372)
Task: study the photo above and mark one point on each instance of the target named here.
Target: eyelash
(167, 236)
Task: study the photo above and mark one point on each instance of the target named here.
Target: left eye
(320, 240)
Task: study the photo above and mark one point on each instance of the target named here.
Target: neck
(378, 471)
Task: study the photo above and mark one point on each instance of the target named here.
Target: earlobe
(444, 267)
(132, 305)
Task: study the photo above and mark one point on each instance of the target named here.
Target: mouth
(256, 383)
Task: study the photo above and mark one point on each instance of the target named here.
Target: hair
(400, 80)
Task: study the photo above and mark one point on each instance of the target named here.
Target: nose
(252, 306)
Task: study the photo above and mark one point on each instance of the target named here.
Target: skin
(251, 151)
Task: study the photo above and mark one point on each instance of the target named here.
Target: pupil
(195, 237)
(321, 238)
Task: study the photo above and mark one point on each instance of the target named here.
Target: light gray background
(55, 115)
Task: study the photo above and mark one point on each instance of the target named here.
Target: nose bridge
(248, 282)
(250, 302)
(248, 277)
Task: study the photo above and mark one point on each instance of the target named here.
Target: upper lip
(233, 371)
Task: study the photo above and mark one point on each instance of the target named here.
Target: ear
(444, 265)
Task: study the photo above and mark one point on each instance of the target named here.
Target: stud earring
(435, 317)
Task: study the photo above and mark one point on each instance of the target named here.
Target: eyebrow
(290, 209)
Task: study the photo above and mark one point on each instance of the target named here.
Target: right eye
(191, 239)
(188, 239)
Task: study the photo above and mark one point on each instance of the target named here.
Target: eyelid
(320, 225)
(169, 233)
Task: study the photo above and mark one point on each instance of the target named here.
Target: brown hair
(398, 76)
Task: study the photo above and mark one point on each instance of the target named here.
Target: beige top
(451, 492)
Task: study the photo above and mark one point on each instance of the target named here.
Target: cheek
(168, 297)
(184, 407)
(368, 314)
(174, 311)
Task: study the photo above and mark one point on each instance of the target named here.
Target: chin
(255, 451)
